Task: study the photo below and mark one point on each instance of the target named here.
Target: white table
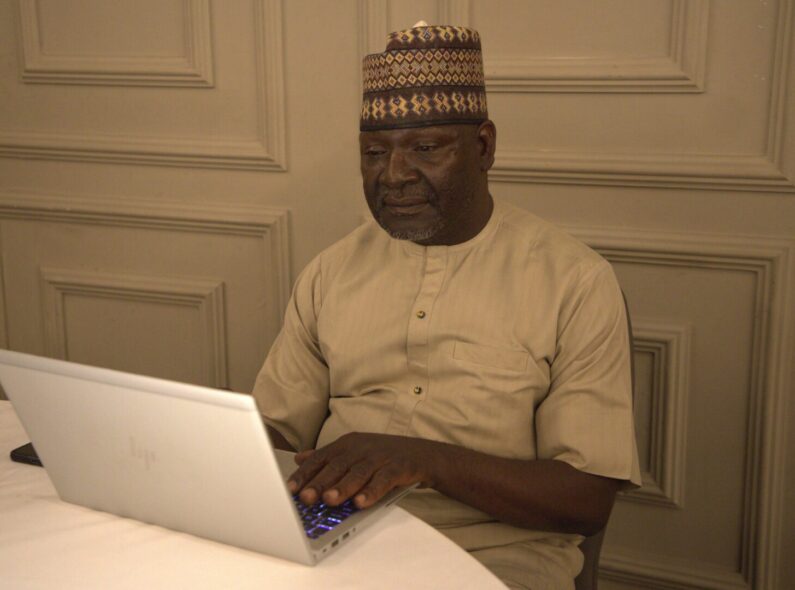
(46, 544)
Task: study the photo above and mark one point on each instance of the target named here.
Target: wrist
(437, 458)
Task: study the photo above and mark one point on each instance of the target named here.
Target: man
(456, 342)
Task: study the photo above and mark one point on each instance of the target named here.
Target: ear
(487, 143)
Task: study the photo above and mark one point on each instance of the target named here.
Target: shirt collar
(414, 249)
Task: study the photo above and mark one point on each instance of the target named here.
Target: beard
(414, 235)
(421, 189)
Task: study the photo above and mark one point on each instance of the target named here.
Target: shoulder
(367, 239)
(555, 251)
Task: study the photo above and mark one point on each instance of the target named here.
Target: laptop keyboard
(319, 519)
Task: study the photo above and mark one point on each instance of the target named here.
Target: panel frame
(205, 296)
(268, 224)
(726, 172)
(686, 63)
(193, 69)
(267, 151)
(681, 70)
(669, 344)
(771, 261)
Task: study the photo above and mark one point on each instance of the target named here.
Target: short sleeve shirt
(513, 343)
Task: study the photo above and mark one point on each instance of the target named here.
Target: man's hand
(364, 467)
(540, 494)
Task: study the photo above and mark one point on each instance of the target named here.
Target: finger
(354, 480)
(326, 478)
(299, 458)
(382, 482)
(306, 471)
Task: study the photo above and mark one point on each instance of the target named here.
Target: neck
(471, 224)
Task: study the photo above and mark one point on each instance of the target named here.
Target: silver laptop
(185, 457)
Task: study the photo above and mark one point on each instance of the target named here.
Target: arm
(291, 389)
(584, 424)
(543, 495)
(277, 440)
(540, 494)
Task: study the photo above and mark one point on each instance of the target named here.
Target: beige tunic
(513, 343)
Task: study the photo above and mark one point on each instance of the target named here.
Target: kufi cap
(428, 75)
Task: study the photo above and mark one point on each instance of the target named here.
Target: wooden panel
(161, 259)
(236, 125)
(662, 367)
(620, 46)
(729, 140)
(172, 327)
(150, 43)
(727, 532)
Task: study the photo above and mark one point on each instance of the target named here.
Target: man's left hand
(361, 466)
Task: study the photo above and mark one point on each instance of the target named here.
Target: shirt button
(420, 314)
(417, 389)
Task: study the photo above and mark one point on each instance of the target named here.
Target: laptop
(185, 457)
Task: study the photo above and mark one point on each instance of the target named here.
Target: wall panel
(234, 123)
(150, 154)
(209, 283)
(76, 43)
(734, 446)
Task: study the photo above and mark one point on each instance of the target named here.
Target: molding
(669, 346)
(686, 171)
(375, 25)
(193, 68)
(661, 573)
(206, 297)
(3, 309)
(268, 224)
(266, 152)
(373, 28)
(681, 70)
(770, 261)
(762, 172)
(269, 42)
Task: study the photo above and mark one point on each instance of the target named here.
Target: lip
(405, 207)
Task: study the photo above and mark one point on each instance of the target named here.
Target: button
(420, 314)
(417, 389)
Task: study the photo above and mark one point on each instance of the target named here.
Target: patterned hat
(428, 75)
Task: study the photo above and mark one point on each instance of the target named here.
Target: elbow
(579, 523)
(589, 510)
(590, 526)
(593, 513)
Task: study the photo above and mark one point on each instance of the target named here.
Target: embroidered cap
(428, 75)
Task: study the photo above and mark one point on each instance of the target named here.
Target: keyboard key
(319, 518)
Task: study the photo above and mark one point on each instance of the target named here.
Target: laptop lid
(185, 457)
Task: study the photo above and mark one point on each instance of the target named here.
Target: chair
(591, 547)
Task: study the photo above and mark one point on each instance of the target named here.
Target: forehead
(435, 132)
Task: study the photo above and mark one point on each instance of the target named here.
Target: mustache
(413, 191)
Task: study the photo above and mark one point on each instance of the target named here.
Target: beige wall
(169, 166)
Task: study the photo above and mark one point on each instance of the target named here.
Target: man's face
(421, 183)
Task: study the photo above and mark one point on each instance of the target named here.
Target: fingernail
(360, 500)
(292, 486)
(331, 495)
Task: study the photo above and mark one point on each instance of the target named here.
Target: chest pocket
(490, 356)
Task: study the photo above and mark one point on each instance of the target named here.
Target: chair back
(591, 547)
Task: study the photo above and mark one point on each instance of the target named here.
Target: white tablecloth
(48, 544)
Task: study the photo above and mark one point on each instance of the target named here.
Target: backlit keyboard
(319, 518)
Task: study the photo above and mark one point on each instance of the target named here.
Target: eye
(425, 147)
(374, 151)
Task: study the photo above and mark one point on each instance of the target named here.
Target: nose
(398, 171)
